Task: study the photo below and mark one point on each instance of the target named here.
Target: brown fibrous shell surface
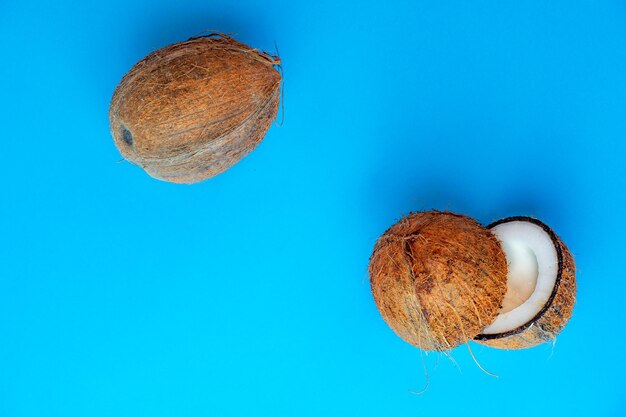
(555, 315)
(193, 109)
(438, 279)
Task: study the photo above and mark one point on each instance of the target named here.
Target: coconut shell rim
(559, 253)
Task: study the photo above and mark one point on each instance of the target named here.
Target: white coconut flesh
(533, 267)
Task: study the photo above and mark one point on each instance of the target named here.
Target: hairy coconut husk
(192, 110)
(438, 279)
(553, 317)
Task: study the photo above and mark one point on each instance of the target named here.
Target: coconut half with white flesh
(541, 285)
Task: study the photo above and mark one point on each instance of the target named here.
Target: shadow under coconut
(389, 196)
(161, 27)
(523, 200)
(171, 26)
(421, 194)
(439, 171)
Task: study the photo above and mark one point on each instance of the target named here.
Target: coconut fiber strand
(191, 110)
(438, 279)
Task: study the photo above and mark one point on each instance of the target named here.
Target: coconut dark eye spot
(127, 136)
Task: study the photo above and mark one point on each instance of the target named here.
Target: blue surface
(247, 295)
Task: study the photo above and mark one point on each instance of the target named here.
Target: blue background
(248, 295)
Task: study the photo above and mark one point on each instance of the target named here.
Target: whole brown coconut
(438, 279)
(192, 110)
(555, 313)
